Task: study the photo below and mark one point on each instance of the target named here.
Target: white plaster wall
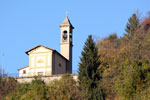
(44, 70)
(45, 66)
(46, 57)
(64, 47)
(41, 58)
(41, 69)
(65, 50)
(21, 72)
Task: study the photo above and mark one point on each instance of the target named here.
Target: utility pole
(2, 65)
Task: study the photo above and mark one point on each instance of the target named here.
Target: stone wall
(46, 79)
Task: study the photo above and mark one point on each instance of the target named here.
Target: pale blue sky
(25, 24)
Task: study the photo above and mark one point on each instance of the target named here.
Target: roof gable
(39, 49)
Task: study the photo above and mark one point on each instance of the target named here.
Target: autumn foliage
(115, 68)
(126, 61)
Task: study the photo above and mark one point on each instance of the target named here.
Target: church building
(44, 61)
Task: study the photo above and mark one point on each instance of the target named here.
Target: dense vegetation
(126, 62)
(64, 89)
(114, 68)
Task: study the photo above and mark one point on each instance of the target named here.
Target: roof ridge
(37, 47)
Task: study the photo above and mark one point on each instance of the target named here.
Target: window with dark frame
(59, 64)
(24, 71)
(65, 35)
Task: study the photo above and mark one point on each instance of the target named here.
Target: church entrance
(40, 73)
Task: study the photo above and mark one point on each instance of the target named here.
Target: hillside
(114, 68)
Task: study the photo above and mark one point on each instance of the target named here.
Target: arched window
(40, 61)
(65, 35)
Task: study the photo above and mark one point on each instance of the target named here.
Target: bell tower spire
(66, 42)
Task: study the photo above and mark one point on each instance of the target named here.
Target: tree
(108, 50)
(7, 85)
(112, 37)
(132, 25)
(89, 73)
(63, 89)
(134, 81)
(36, 90)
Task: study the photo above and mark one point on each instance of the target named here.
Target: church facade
(44, 61)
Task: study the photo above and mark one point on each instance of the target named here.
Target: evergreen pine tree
(89, 73)
(132, 25)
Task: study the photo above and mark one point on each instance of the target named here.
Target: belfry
(44, 61)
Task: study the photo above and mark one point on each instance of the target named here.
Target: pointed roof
(66, 22)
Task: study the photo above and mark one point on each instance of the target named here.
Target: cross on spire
(66, 13)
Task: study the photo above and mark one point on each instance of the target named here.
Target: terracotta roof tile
(23, 67)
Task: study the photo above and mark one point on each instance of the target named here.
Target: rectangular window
(24, 71)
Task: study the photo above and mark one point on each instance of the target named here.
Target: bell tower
(66, 42)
